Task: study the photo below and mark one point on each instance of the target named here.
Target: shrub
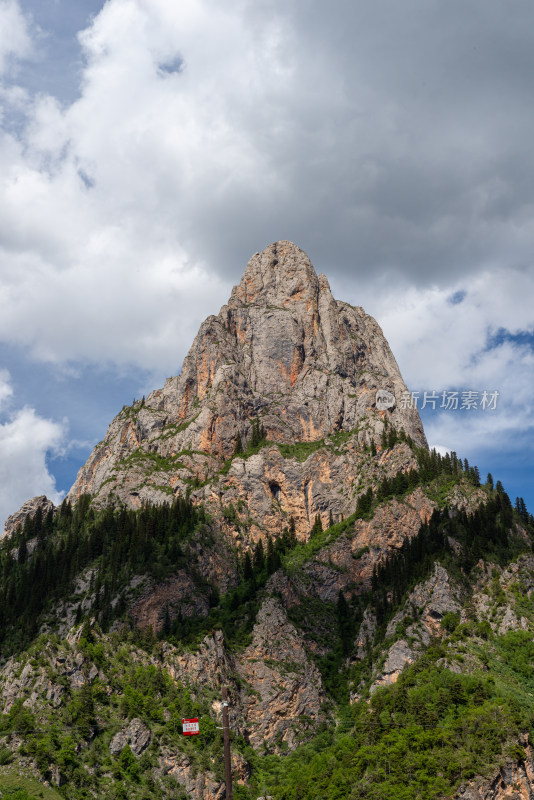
(450, 621)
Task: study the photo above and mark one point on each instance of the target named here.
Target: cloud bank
(390, 141)
(203, 133)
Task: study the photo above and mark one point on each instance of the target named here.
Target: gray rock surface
(287, 684)
(285, 352)
(136, 734)
(199, 786)
(279, 683)
(28, 509)
(365, 635)
(433, 599)
(399, 656)
(430, 601)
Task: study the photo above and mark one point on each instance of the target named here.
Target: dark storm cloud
(405, 144)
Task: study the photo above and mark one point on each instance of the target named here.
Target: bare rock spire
(283, 354)
(281, 275)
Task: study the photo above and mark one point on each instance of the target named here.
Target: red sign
(190, 727)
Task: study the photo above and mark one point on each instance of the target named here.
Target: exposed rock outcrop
(287, 689)
(211, 665)
(347, 564)
(282, 353)
(136, 734)
(177, 596)
(199, 786)
(429, 601)
(279, 694)
(28, 509)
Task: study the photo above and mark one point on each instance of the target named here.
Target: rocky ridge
(282, 354)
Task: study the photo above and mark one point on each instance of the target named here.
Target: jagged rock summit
(283, 356)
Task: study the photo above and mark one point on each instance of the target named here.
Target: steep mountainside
(260, 523)
(282, 358)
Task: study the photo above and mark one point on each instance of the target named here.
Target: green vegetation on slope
(73, 740)
(17, 786)
(416, 739)
(117, 543)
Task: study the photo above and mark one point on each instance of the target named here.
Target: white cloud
(443, 345)
(98, 197)
(25, 441)
(439, 343)
(201, 134)
(440, 448)
(15, 40)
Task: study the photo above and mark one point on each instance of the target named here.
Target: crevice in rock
(275, 490)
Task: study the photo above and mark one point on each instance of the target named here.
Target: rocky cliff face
(283, 355)
(278, 694)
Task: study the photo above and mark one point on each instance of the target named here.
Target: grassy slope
(11, 781)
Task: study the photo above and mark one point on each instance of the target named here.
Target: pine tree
(49, 522)
(317, 526)
(258, 433)
(365, 502)
(28, 529)
(238, 445)
(392, 437)
(374, 579)
(344, 621)
(166, 629)
(65, 509)
(273, 559)
(247, 567)
(38, 521)
(521, 508)
(22, 553)
(259, 557)
(292, 532)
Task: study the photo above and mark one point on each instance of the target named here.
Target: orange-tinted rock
(283, 351)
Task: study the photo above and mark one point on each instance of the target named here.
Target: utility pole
(226, 734)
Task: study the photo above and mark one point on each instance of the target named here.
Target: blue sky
(148, 148)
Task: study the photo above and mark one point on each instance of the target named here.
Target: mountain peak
(281, 275)
(284, 363)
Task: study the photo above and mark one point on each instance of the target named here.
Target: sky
(149, 147)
